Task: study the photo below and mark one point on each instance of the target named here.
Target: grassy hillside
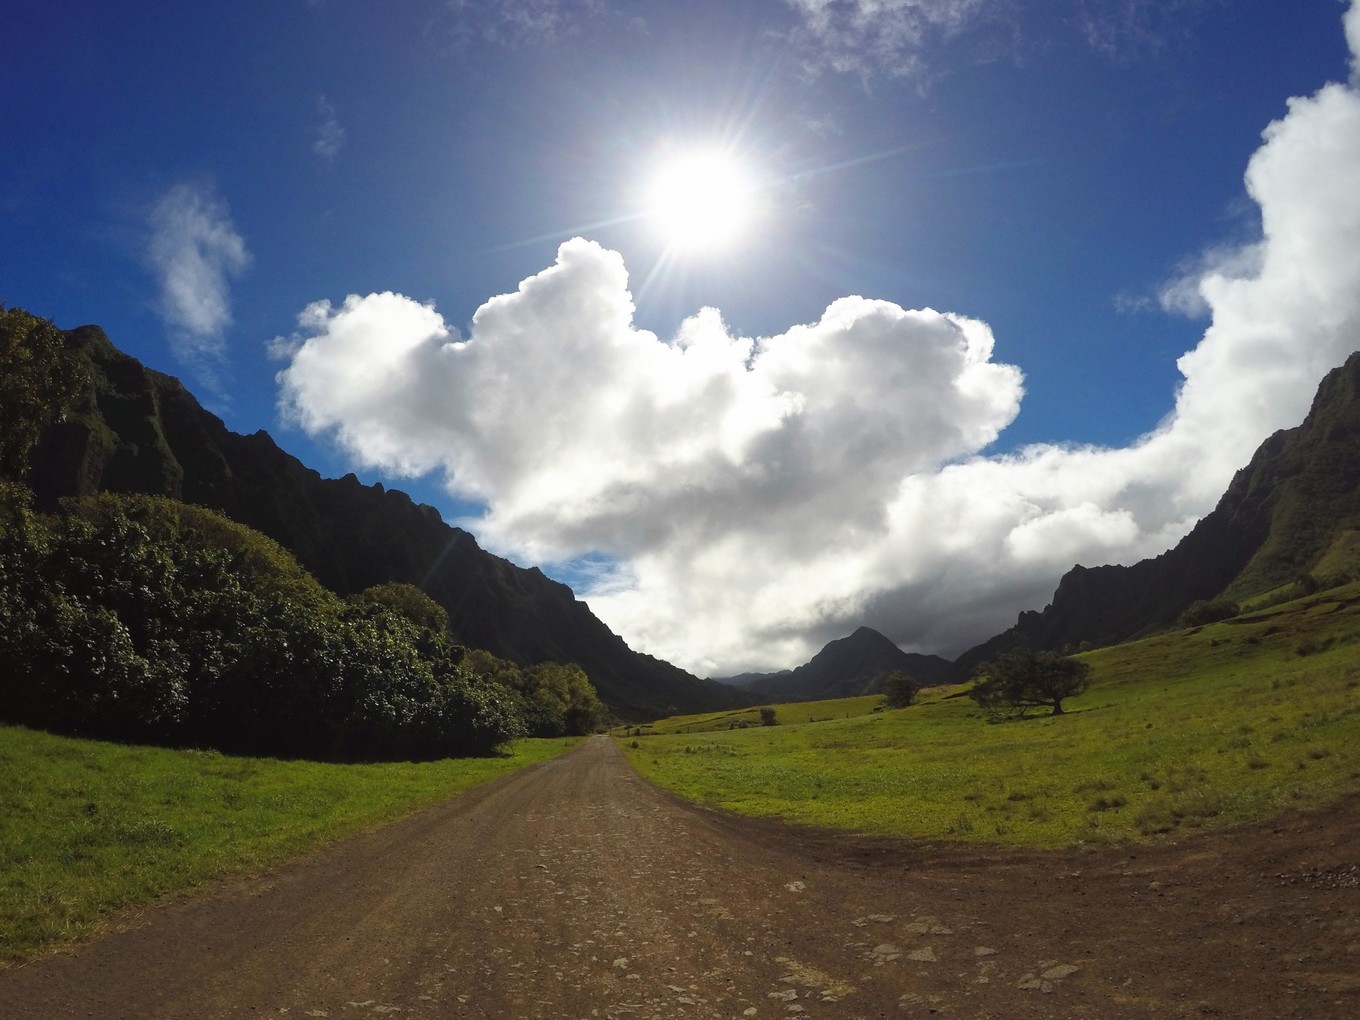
(1210, 726)
(89, 828)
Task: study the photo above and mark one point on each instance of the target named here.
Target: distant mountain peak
(845, 667)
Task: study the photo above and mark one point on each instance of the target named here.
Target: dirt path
(573, 889)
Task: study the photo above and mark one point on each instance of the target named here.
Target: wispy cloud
(1123, 28)
(517, 22)
(880, 36)
(195, 251)
(328, 134)
(899, 37)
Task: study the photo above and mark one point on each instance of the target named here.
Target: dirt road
(573, 889)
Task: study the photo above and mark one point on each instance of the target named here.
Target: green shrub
(1202, 612)
(142, 619)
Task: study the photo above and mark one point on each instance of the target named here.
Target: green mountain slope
(1293, 511)
(137, 430)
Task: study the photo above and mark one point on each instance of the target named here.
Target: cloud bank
(195, 252)
(763, 495)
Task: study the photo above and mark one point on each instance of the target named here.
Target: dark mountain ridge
(1294, 509)
(138, 430)
(845, 668)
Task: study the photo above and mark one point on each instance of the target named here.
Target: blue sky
(1064, 176)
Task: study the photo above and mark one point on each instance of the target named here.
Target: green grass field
(799, 712)
(1212, 726)
(90, 828)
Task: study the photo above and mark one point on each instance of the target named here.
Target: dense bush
(141, 618)
(409, 601)
(554, 699)
(1197, 614)
(899, 690)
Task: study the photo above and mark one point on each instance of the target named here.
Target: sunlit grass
(742, 718)
(1213, 726)
(88, 828)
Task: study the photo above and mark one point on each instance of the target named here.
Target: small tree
(768, 718)
(1025, 679)
(899, 690)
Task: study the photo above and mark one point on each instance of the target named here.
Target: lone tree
(1025, 679)
(899, 690)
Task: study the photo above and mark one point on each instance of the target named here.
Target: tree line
(142, 618)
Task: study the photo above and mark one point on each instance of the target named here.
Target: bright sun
(702, 201)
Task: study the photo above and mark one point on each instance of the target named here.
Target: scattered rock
(926, 955)
(885, 953)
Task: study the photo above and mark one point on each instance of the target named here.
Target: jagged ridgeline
(1289, 524)
(134, 430)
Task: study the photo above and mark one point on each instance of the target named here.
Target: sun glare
(702, 201)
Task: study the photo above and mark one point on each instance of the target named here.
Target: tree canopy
(1023, 679)
(38, 383)
(555, 699)
(140, 618)
(899, 689)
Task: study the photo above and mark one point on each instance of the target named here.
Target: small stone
(1058, 973)
(926, 955)
(885, 953)
(982, 951)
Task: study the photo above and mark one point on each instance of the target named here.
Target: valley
(1178, 843)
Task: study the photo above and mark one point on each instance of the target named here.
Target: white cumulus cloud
(195, 251)
(763, 495)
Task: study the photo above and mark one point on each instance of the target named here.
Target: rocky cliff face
(137, 430)
(1294, 509)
